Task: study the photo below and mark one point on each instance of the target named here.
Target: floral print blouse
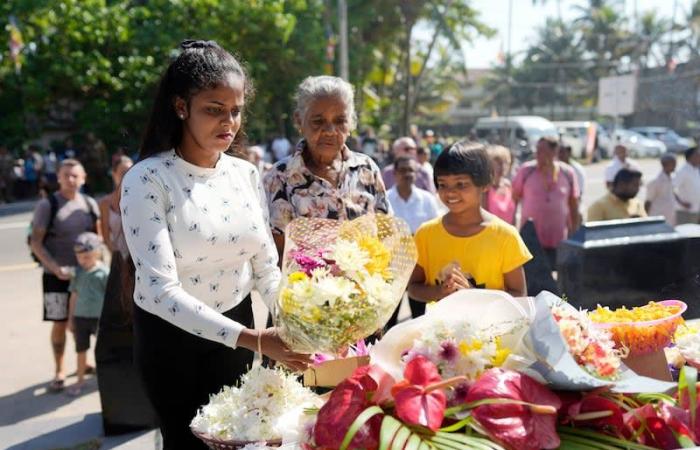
(294, 191)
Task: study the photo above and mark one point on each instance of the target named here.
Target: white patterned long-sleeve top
(200, 241)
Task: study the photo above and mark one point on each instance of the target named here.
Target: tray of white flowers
(265, 410)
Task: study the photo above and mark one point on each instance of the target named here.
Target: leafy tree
(92, 65)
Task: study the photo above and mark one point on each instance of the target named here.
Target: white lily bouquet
(268, 406)
(342, 280)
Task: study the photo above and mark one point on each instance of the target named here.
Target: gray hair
(313, 88)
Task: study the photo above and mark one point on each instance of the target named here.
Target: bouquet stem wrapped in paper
(342, 280)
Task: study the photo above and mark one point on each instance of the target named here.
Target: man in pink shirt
(549, 192)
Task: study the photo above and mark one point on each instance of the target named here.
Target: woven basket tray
(218, 444)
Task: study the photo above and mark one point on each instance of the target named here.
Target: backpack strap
(53, 205)
(530, 171)
(94, 211)
(567, 174)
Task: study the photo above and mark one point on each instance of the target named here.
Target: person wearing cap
(621, 201)
(87, 291)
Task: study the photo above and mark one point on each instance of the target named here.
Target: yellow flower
(296, 276)
(287, 303)
(465, 348)
(379, 256)
(314, 316)
(501, 353)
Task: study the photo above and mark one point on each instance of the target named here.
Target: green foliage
(92, 65)
(563, 65)
(395, 435)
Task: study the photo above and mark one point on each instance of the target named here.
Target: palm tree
(603, 29)
(556, 62)
(650, 36)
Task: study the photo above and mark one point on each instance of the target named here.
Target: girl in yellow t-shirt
(468, 247)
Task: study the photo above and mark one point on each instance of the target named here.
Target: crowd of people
(196, 229)
(33, 172)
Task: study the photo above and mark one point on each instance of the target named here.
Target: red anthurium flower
(517, 426)
(657, 434)
(416, 403)
(594, 411)
(678, 419)
(347, 401)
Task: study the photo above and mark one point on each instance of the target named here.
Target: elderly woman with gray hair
(323, 178)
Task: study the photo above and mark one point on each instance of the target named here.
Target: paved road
(31, 418)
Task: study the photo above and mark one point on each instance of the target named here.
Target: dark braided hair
(200, 65)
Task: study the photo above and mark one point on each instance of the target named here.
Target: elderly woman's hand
(272, 346)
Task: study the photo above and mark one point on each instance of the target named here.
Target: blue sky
(482, 53)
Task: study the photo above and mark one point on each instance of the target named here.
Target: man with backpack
(549, 193)
(57, 222)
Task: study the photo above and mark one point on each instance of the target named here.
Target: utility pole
(343, 31)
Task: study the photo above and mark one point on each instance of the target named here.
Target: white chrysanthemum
(301, 290)
(689, 346)
(261, 409)
(332, 289)
(379, 292)
(349, 256)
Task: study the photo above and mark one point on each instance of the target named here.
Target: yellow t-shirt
(486, 256)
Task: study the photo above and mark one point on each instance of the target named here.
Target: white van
(519, 133)
(576, 135)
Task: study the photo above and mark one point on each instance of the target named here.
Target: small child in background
(87, 290)
(499, 196)
(467, 247)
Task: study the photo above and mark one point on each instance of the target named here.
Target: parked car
(519, 133)
(576, 135)
(674, 142)
(638, 145)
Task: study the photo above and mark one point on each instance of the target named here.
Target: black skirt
(180, 370)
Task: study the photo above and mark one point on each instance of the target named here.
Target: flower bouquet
(572, 354)
(267, 409)
(593, 348)
(500, 410)
(465, 333)
(342, 280)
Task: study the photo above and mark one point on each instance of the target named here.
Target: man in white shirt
(406, 146)
(415, 206)
(660, 193)
(619, 161)
(565, 157)
(410, 203)
(687, 184)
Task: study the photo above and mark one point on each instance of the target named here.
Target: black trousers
(180, 371)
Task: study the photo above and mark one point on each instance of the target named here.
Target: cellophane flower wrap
(342, 280)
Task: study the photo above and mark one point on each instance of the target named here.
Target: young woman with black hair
(196, 225)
